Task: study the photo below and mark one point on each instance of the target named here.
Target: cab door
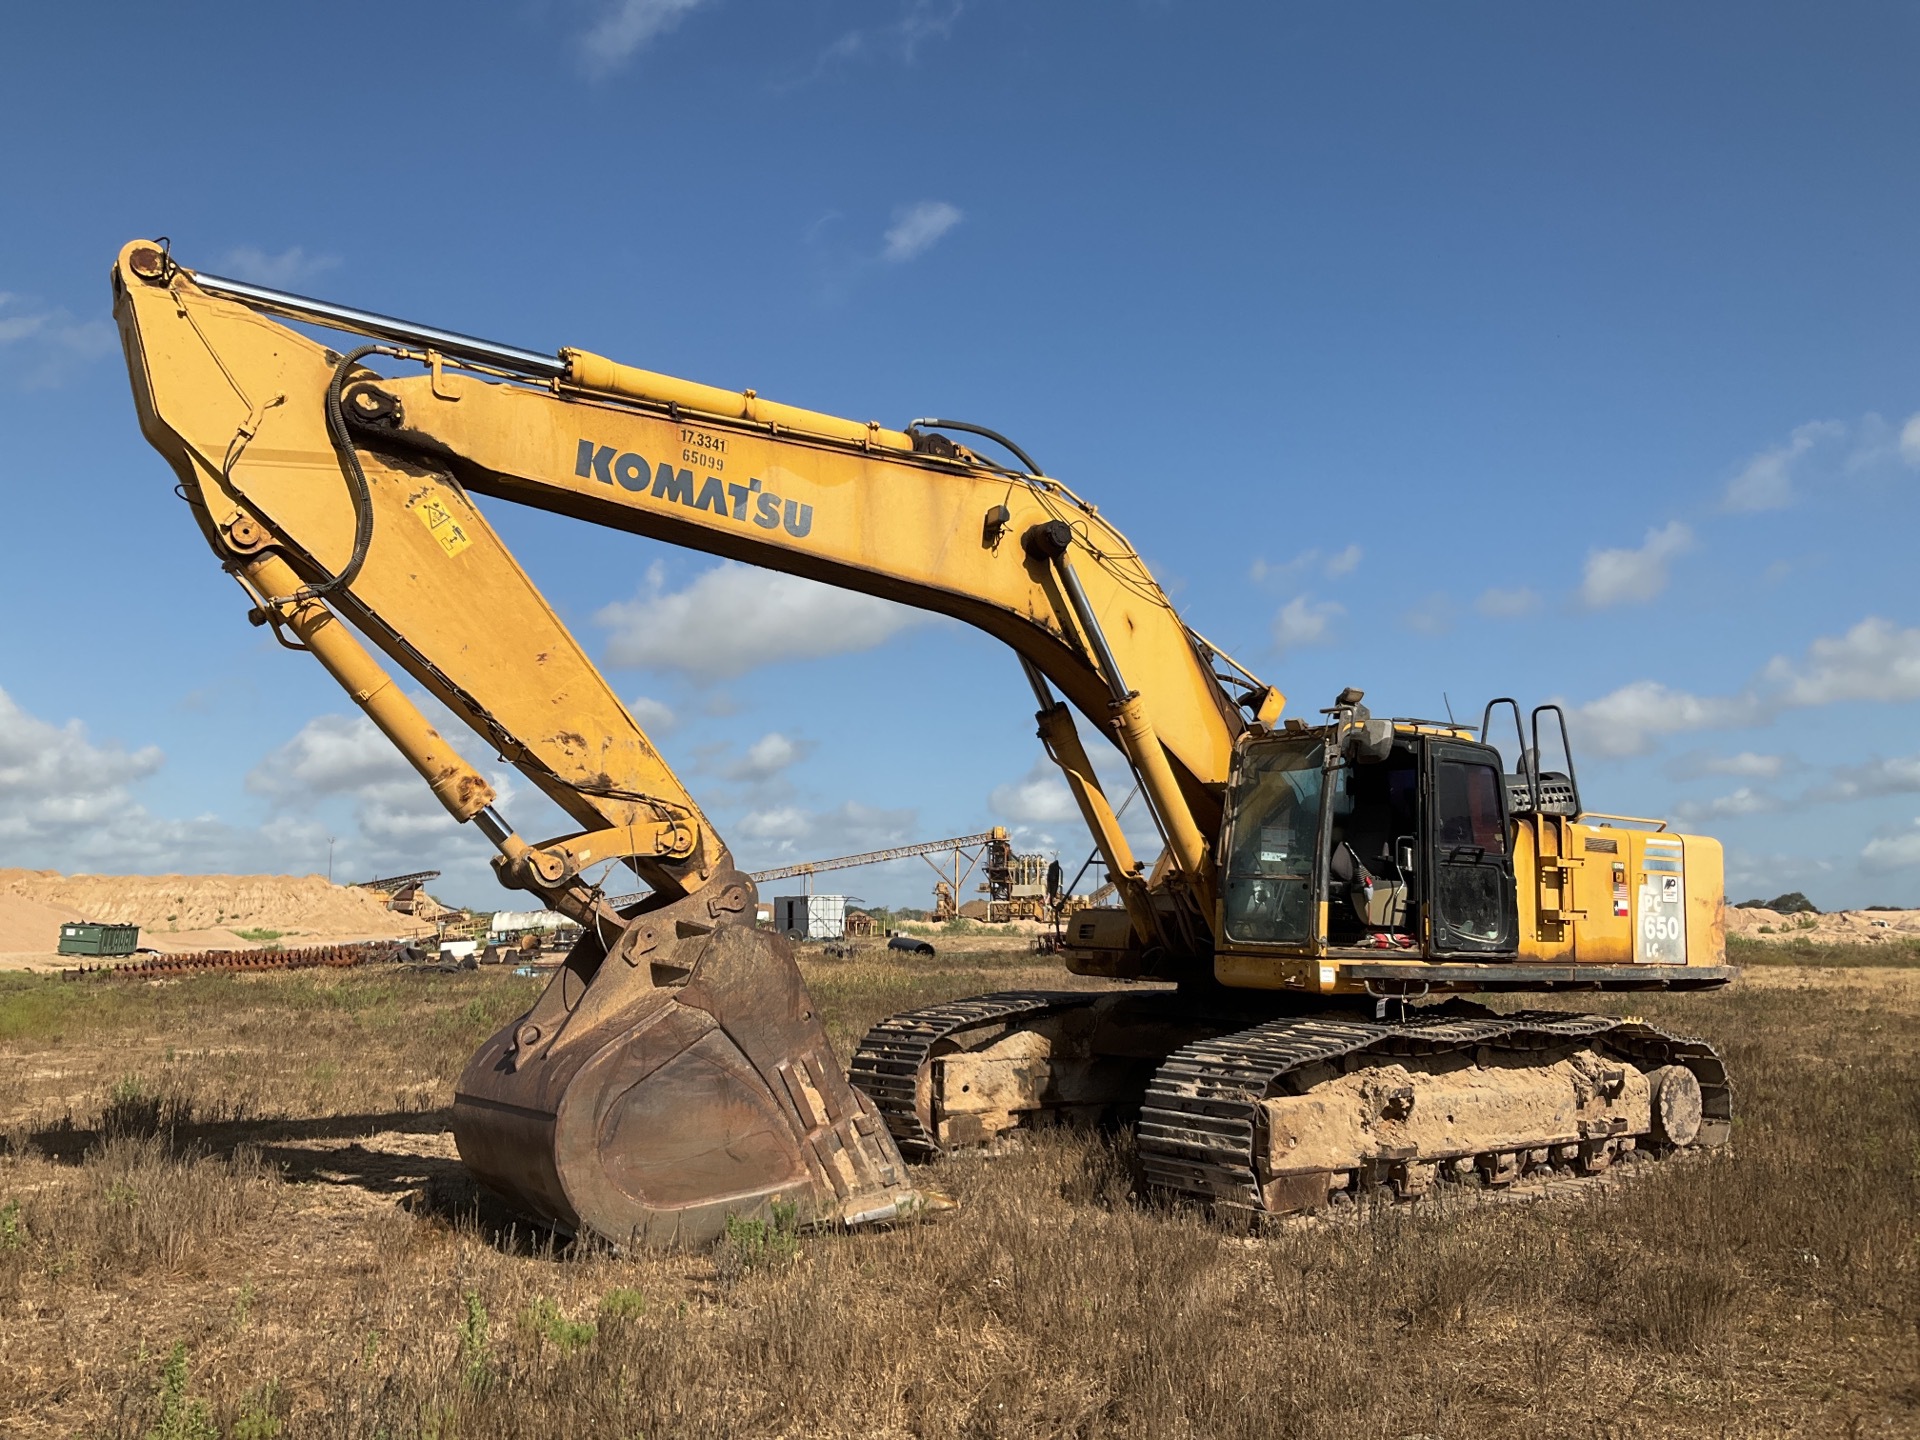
(1472, 905)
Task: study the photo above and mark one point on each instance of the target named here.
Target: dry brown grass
(227, 1208)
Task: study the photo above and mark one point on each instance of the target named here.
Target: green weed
(243, 1306)
(623, 1304)
(476, 1343)
(543, 1317)
(258, 1418)
(181, 1416)
(752, 1243)
(13, 1227)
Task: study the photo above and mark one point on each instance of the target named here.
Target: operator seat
(1380, 905)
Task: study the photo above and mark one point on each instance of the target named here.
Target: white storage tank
(810, 917)
(509, 925)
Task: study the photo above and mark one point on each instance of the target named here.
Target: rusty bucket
(652, 1093)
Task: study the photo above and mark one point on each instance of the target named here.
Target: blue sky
(1566, 352)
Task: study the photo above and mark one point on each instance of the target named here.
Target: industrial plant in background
(1017, 886)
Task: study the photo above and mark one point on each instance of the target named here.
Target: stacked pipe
(196, 962)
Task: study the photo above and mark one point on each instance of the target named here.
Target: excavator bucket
(652, 1093)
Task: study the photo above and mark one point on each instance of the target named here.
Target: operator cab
(1364, 834)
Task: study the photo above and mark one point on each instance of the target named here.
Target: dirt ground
(188, 912)
(1842, 927)
(229, 1207)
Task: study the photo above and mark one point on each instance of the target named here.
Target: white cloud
(1301, 622)
(397, 821)
(1431, 615)
(1338, 565)
(54, 781)
(1910, 440)
(1628, 720)
(1898, 776)
(1900, 851)
(917, 228)
(1765, 482)
(1872, 661)
(767, 757)
(1345, 562)
(65, 804)
(1747, 764)
(331, 755)
(653, 716)
(1616, 577)
(1498, 604)
(1040, 797)
(18, 327)
(1744, 801)
(289, 267)
(778, 822)
(734, 617)
(920, 21)
(626, 27)
(50, 342)
(788, 834)
(1039, 810)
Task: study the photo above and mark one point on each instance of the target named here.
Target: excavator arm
(673, 1072)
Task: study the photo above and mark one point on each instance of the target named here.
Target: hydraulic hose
(356, 477)
(993, 435)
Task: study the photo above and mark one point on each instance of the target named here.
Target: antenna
(1449, 704)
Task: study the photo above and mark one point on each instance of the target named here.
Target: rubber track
(888, 1063)
(1197, 1125)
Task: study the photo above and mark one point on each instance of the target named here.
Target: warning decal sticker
(449, 532)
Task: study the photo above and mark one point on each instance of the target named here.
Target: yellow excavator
(1285, 1024)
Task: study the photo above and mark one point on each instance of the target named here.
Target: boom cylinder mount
(1132, 728)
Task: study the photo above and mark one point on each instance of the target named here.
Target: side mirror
(1369, 742)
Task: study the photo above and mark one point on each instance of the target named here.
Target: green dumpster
(87, 938)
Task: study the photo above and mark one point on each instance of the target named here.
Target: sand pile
(31, 925)
(34, 903)
(1842, 927)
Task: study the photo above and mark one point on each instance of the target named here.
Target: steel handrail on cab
(1625, 819)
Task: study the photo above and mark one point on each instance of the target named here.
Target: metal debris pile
(154, 967)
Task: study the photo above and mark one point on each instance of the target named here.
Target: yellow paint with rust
(235, 402)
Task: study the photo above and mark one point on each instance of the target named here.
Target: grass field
(228, 1207)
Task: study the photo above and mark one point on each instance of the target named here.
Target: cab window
(1276, 829)
(1468, 800)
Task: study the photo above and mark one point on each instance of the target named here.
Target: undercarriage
(1293, 1108)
